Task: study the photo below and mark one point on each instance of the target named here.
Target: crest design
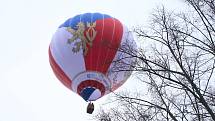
(79, 34)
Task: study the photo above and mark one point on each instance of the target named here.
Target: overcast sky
(29, 91)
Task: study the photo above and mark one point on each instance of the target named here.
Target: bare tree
(177, 65)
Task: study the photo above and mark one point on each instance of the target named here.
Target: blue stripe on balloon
(87, 17)
(86, 93)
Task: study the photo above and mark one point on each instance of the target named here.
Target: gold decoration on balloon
(79, 34)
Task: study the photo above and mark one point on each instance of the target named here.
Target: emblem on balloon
(80, 34)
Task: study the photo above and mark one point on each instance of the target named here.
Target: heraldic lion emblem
(79, 34)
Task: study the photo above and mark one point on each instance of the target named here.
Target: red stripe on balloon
(105, 45)
(59, 72)
(91, 83)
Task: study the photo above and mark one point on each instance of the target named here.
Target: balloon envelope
(82, 53)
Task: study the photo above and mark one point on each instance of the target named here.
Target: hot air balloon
(82, 53)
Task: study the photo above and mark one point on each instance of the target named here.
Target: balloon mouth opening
(91, 90)
(90, 94)
(91, 79)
